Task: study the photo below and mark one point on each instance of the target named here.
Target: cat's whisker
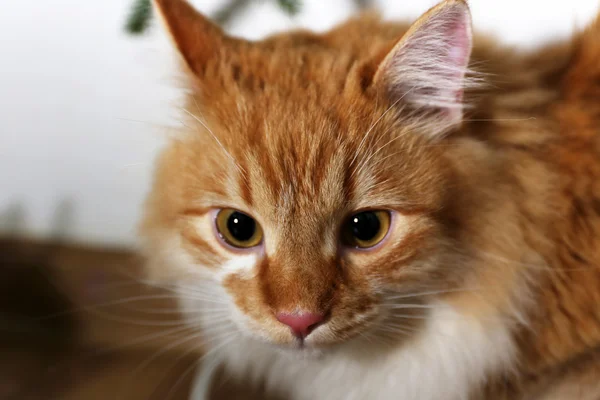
(373, 153)
(413, 306)
(228, 338)
(541, 266)
(203, 299)
(495, 318)
(500, 119)
(217, 322)
(177, 360)
(139, 322)
(200, 290)
(409, 316)
(390, 336)
(222, 322)
(430, 293)
(157, 354)
(225, 342)
(158, 311)
(214, 311)
(93, 307)
(146, 338)
(395, 328)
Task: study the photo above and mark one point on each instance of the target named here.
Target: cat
(385, 211)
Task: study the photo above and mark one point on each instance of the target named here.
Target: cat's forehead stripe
(312, 173)
(244, 183)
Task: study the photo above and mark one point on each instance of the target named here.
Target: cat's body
(492, 286)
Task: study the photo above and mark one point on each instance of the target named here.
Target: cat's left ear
(426, 69)
(198, 40)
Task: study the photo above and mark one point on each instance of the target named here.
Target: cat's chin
(298, 351)
(295, 349)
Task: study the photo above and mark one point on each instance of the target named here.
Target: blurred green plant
(140, 15)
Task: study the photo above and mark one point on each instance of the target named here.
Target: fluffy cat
(386, 211)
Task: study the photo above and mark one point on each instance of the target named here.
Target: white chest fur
(451, 356)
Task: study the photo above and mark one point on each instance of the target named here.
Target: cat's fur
(489, 284)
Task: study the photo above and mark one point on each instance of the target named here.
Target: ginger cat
(386, 211)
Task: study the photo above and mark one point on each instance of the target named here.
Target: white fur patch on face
(238, 261)
(452, 357)
(242, 265)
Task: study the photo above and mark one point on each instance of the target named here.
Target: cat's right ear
(197, 38)
(426, 68)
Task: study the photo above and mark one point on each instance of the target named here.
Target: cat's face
(299, 208)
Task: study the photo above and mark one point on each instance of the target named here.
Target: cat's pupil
(241, 226)
(365, 226)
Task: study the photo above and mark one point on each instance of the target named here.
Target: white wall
(82, 104)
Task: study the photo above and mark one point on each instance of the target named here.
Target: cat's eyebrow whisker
(362, 142)
(373, 154)
(239, 168)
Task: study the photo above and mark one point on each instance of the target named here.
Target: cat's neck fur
(540, 124)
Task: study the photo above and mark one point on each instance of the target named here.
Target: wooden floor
(78, 323)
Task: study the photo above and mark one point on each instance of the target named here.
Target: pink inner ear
(460, 50)
(427, 68)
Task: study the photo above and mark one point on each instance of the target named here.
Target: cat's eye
(366, 229)
(238, 229)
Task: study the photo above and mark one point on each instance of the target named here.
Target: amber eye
(238, 229)
(366, 229)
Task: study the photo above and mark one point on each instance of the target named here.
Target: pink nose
(301, 324)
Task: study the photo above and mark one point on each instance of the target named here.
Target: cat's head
(307, 202)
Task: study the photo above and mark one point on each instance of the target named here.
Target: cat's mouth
(301, 349)
(324, 339)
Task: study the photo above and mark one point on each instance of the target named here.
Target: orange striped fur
(496, 219)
